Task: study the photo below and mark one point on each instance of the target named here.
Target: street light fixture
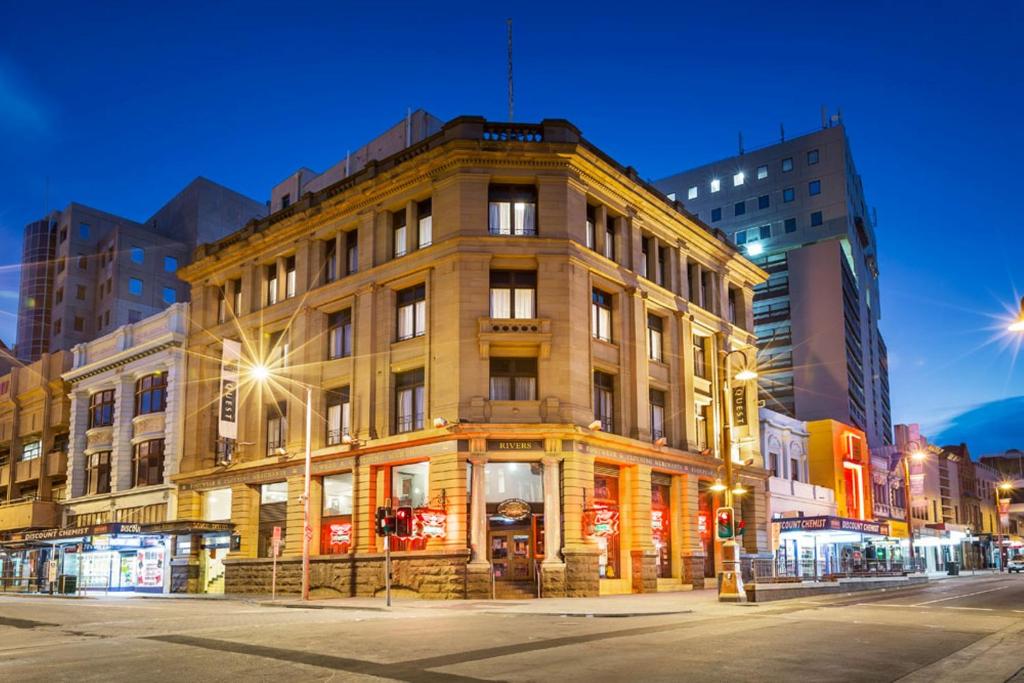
(914, 452)
(263, 374)
(1004, 486)
(718, 486)
(1018, 324)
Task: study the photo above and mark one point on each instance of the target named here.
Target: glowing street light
(918, 454)
(718, 486)
(746, 375)
(1005, 487)
(1018, 324)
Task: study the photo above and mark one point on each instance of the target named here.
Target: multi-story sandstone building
(34, 412)
(501, 328)
(797, 208)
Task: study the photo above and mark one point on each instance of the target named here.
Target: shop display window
(606, 495)
(410, 487)
(336, 534)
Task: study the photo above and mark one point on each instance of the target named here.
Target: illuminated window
(425, 220)
(738, 179)
(170, 296)
(170, 264)
(601, 315)
(512, 210)
(289, 277)
(339, 415)
(604, 400)
(591, 227)
(762, 172)
(97, 473)
(398, 230)
(655, 337)
(716, 185)
(409, 398)
(135, 286)
(412, 312)
(137, 255)
(339, 334)
(513, 293)
(657, 405)
(31, 450)
(513, 379)
(692, 193)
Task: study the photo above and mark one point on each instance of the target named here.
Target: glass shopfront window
(606, 495)
(217, 505)
(661, 533)
(410, 487)
(273, 512)
(336, 523)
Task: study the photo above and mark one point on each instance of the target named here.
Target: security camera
(660, 442)
(595, 426)
(440, 423)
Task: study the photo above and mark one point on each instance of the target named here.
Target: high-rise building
(86, 272)
(797, 209)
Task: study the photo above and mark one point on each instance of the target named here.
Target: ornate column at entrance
(478, 571)
(552, 568)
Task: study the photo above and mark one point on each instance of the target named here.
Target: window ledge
(514, 334)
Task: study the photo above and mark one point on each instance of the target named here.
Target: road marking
(977, 609)
(957, 597)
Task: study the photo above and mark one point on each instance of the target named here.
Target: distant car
(1016, 564)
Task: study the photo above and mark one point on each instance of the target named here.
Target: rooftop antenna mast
(511, 97)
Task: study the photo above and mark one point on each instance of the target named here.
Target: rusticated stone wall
(440, 576)
(645, 571)
(581, 573)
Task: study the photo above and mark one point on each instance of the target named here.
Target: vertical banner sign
(1004, 512)
(739, 406)
(917, 485)
(227, 427)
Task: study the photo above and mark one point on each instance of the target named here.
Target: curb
(591, 615)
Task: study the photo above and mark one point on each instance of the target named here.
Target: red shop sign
(659, 520)
(430, 523)
(600, 522)
(341, 534)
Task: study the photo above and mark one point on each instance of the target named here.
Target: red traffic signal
(403, 522)
(385, 521)
(724, 522)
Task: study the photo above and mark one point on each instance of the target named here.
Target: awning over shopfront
(75, 534)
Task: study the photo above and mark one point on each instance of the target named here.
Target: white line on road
(957, 597)
(977, 609)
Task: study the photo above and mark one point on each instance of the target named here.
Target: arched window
(151, 394)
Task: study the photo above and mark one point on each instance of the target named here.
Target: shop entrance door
(510, 555)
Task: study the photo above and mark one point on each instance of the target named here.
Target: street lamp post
(730, 586)
(918, 454)
(1003, 486)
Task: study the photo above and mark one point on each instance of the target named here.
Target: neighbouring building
(797, 209)
(500, 328)
(34, 410)
(86, 272)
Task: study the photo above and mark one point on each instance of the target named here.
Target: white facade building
(127, 420)
(784, 446)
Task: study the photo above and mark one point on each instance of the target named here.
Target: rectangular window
(277, 426)
(764, 232)
(812, 157)
(135, 286)
(271, 285)
(787, 164)
(657, 404)
(170, 264)
(788, 194)
(31, 450)
(83, 263)
(151, 393)
(591, 236)
(409, 401)
(286, 200)
(738, 179)
(351, 252)
(289, 277)
(330, 260)
(512, 210)
(700, 362)
(655, 338)
(412, 312)
(816, 219)
(59, 296)
(236, 296)
(101, 408)
(80, 322)
(170, 296)
(716, 185)
(692, 193)
(609, 238)
(734, 299)
(645, 255)
(336, 533)
(80, 292)
(97, 473)
(56, 326)
(604, 400)
(513, 379)
(339, 334)
(425, 229)
(773, 464)
(762, 172)
(716, 215)
(739, 208)
(273, 513)
(222, 306)
(814, 187)
(601, 315)
(740, 237)
(513, 294)
(136, 255)
(339, 415)
(148, 463)
(703, 420)
(398, 233)
(790, 225)
(83, 231)
(764, 201)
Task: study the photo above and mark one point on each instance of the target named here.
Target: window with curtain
(289, 277)
(513, 379)
(591, 227)
(271, 285)
(339, 415)
(513, 294)
(277, 426)
(703, 417)
(236, 294)
(604, 400)
(655, 337)
(222, 305)
(151, 393)
(657, 400)
(398, 232)
(351, 252)
(700, 364)
(425, 219)
(512, 210)
(409, 401)
(609, 238)
(339, 334)
(412, 312)
(601, 315)
(330, 260)
(148, 463)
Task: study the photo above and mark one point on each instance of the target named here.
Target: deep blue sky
(120, 107)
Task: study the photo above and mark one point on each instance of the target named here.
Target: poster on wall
(149, 568)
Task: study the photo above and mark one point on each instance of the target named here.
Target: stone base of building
(581, 573)
(552, 580)
(693, 569)
(439, 576)
(645, 571)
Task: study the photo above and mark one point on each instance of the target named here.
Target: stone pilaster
(245, 514)
(478, 511)
(121, 455)
(553, 584)
(691, 553)
(77, 442)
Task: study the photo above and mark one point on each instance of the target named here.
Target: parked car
(1016, 564)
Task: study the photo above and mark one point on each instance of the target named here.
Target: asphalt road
(968, 629)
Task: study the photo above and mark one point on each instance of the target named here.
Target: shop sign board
(515, 445)
(739, 406)
(833, 524)
(75, 531)
(600, 522)
(515, 509)
(431, 523)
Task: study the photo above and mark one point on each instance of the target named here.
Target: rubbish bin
(952, 569)
(67, 584)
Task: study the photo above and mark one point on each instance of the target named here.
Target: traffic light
(385, 521)
(403, 522)
(724, 522)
